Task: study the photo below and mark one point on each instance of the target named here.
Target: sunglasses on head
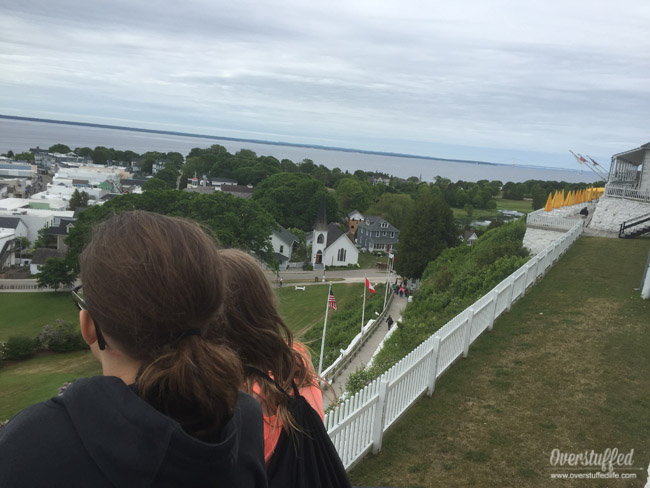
(81, 305)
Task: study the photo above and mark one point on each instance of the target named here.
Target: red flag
(331, 300)
(369, 286)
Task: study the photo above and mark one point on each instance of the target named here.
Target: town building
(354, 219)
(284, 243)
(330, 245)
(377, 234)
(60, 228)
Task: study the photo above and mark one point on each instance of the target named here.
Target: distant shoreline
(273, 143)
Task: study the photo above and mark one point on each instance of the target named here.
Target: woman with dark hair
(168, 410)
(278, 373)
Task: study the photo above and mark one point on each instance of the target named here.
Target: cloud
(519, 77)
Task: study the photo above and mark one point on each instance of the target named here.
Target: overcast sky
(502, 81)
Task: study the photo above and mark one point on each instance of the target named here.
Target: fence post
(528, 266)
(434, 370)
(537, 272)
(493, 309)
(468, 333)
(378, 421)
(511, 292)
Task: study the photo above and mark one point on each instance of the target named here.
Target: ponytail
(196, 383)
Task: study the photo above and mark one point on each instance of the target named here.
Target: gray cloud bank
(502, 80)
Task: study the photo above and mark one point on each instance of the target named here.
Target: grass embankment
(452, 282)
(39, 378)
(565, 369)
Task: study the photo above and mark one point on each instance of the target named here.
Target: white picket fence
(356, 426)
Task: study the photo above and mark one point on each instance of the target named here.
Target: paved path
(362, 358)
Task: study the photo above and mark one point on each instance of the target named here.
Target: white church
(330, 246)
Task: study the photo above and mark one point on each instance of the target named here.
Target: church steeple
(319, 243)
(321, 220)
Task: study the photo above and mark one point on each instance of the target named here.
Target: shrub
(20, 347)
(61, 337)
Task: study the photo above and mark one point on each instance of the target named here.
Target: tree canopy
(353, 194)
(236, 222)
(428, 229)
(59, 148)
(394, 207)
(78, 199)
(293, 199)
(55, 273)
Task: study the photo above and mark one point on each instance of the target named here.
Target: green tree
(169, 175)
(78, 199)
(352, 194)
(10, 153)
(293, 199)
(394, 207)
(155, 184)
(539, 196)
(44, 239)
(428, 230)
(175, 158)
(59, 148)
(55, 273)
(236, 222)
(83, 151)
(24, 156)
(101, 155)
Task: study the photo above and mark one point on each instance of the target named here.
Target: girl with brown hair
(168, 410)
(279, 374)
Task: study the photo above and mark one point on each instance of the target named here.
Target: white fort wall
(612, 212)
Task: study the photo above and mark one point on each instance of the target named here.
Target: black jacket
(99, 433)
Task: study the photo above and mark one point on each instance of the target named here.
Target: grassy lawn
(369, 260)
(26, 313)
(38, 379)
(524, 206)
(302, 310)
(565, 369)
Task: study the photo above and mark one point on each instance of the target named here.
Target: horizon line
(274, 143)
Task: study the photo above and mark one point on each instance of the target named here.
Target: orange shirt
(273, 424)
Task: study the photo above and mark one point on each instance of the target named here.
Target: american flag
(331, 300)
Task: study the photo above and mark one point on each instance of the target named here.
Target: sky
(502, 81)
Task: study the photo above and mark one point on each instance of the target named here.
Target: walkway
(363, 356)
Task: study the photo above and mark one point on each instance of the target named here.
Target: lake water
(21, 135)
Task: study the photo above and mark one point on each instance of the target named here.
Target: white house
(35, 214)
(10, 229)
(329, 245)
(469, 236)
(283, 243)
(14, 225)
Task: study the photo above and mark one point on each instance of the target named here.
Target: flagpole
(363, 310)
(322, 344)
(387, 277)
